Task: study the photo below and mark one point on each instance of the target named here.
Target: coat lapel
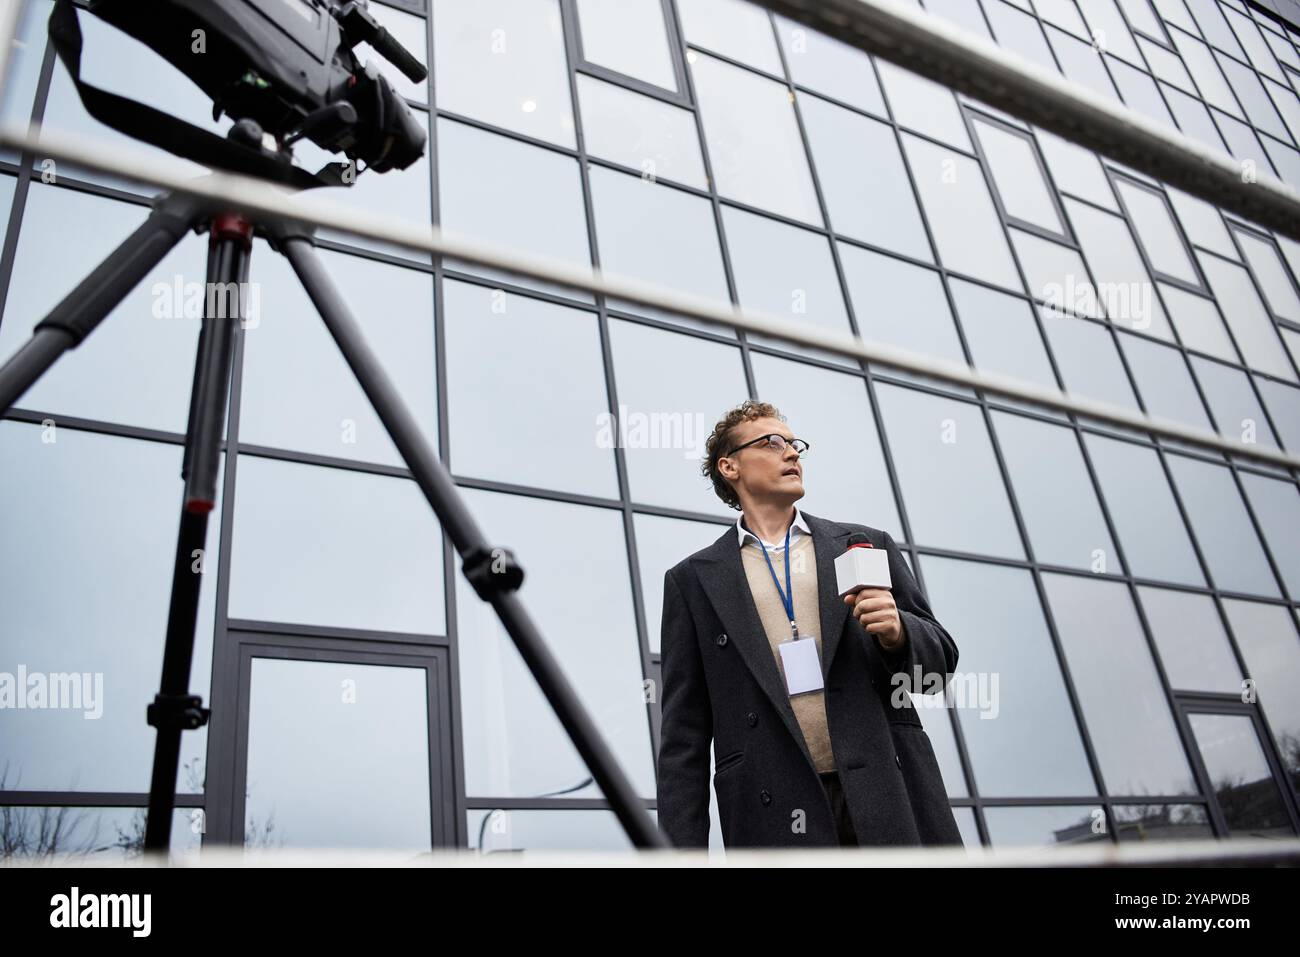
(722, 576)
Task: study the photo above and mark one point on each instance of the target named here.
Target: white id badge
(802, 666)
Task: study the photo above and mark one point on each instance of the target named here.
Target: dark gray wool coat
(721, 683)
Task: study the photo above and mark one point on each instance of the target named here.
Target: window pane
(965, 224)
(639, 131)
(1087, 359)
(1123, 286)
(1259, 108)
(1193, 644)
(661, 543)
(661, 235)
(503, 61)
(298, 391)
(1139, 91)
(1277, 506)
(1198, 323)
(1222, 526)
(1081, 62)
(1109, 29)
(951, 486)
(756, 151)
(1020, 33)
(1193, 118)
(962, 12)
(844, 480)
(1232, 402)
(1164, 381)
(1129, 720)
(515, 746)
(1030, 745)
(1267, 265)
(1045, 826)
(1141, 505)
(868, 195)
(1075, 169)
(900, 304)
(1267, 637)
(87, 547)
(1017, 176)
(923, 105)
(629, 37)
(1056, 275)
(148, 337)
(1213, 87)
(667, 419)
(1001, 333)
(1283, 403)
(1155, 225)
(1064, 14)
(786, 272)
(1055, 494)
(494, 189)
(326, 546)
(550, 356)
(1240, 775)
(829, 66)
(733, 28)
(359, 785)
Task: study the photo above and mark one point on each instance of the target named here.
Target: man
(803, 759)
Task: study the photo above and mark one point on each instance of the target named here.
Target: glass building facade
(1125, 609)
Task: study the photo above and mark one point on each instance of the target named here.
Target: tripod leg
(97, 295)
(174, 709)
(441, 491)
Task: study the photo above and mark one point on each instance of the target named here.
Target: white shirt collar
(798, 525)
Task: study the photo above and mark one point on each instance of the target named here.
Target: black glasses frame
(800, 445)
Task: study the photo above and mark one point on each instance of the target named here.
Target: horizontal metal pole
(259, 199)
(941, 51)
(1196, 853)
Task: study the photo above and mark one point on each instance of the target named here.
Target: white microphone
(862, 566)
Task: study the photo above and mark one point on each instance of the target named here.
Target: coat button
(765, 796)
(752, 719)
(722, 640)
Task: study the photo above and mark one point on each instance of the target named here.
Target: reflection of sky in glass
(364, 782)
(137, 366)
(577, 589)
(88, 593)
(1032, 746)
(1127, 713)
(325, 546)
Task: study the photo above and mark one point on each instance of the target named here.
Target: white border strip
(1193, 853)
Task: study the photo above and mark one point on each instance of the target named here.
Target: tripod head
(288, 66)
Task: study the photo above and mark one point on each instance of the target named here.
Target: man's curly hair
(720, 442)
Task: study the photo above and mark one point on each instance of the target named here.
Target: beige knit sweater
(810, 707)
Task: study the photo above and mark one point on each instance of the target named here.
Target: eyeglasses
(774, 442)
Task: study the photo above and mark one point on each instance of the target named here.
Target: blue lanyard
(787, 596)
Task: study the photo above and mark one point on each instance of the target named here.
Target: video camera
(288, 65)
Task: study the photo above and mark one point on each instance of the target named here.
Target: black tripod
(494, 572)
